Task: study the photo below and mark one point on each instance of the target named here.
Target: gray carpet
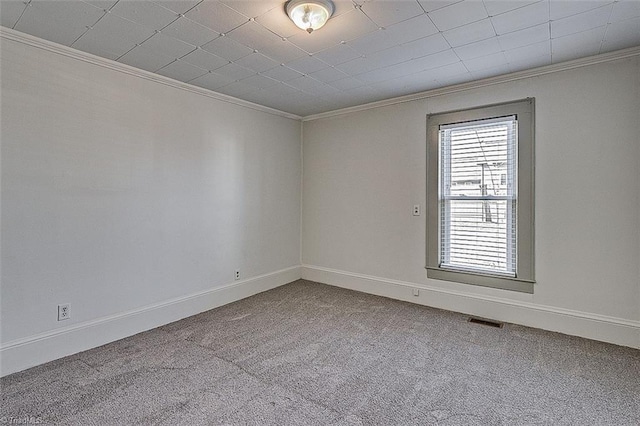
(307, 353)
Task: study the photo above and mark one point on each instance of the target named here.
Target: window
(480, 196)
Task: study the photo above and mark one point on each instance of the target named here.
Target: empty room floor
(308, 353)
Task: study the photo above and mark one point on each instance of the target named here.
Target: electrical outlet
(416, 210)
(64, 312)
(237, 274)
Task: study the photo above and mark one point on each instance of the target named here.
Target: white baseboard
(24, 353)
(591, 326)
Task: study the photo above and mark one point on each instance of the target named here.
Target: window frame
(524, 279)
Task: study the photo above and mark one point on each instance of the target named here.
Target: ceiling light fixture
(309, 15)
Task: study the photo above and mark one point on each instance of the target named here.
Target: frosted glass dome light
(309, 15)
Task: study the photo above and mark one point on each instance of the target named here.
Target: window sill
(484, 280)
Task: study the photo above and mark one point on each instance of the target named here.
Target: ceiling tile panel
(257, 97)
(394, 87)
(360, 95)
(356, 66)
(489, 72)
(144, 12)
(479, 48)
(496, 7)
(445, 72)
(519, 54)
(59, 21)
(328, 75)
(236, 89)
(524, 37)
(495, 60)
(217, 16)
(181, 71)
(429, 5)
(440, 59)
(625, 9)
(470, 33)
(426, 46)
(430, 62)
(521, 18)
(253, 35)
(257, 62)
(320, 90)
(338, 54)
(584, 21)
(282, 73)
(453, 79)
(254, 8)
(235, 71)
(101, 4)
(413, 29)
(413, 83)
(372, 42)
(282, 51)
(112, 37)
(178, 6)
(622, 34)
(259, 81)
(281, 90)
(227, 48)
(347, 83)
(190, 32)
(205, 60)
(143, 58)
(389, 12)
(530, 62)
(277, 21)
(10, 12)
(458, 14)
(212, 81)
(419, 83)
(314, 42)
(307, 64)
(344, 6)
(563, 8)
(392, 56)
(168, 46)
(382, 74)
(304, 82)
(577, 45)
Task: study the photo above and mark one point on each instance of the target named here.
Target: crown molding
(520, 75)
(19, 37)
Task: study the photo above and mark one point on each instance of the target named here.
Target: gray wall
(119, 192)
(365, 170)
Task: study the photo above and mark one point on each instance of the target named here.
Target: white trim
(618, 331)
(520, 75)
(70, 52)
(301, 188)
(21, 354)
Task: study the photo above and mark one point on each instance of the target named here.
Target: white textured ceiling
(369, 50)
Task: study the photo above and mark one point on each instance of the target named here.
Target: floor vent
(486, 322)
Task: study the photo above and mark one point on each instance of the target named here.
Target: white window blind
(478, 196)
